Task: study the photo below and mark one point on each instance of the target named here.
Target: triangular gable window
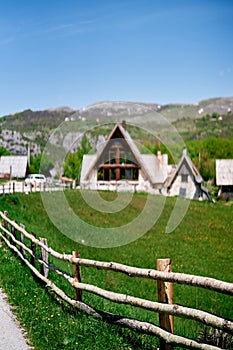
(117, 161)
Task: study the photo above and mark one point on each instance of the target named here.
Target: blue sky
(74, 53)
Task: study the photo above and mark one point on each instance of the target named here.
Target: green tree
(154, 150)
(71, 165)
(3, 151)
(40, 164)
(73, 161)
(84, 148)
(204, 153)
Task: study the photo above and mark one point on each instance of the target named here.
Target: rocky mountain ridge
(29, 128)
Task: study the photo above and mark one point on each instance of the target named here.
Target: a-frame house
(120, 166)
(186, 181)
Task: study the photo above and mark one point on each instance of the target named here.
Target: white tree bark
(171, 309)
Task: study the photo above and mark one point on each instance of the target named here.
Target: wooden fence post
(13, 232)
(33, 248)
(165, 295)
(22, 240)
(77, 278)
(5, 223)
(45, 258)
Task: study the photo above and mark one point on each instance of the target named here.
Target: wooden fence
(35, 252)
(12, 187)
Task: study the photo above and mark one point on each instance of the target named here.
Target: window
(112, 157)
(117, 162)
(135, 174)
(128, 174)
(122, 157)
(122, 173)
(110, 172)
(184, 177)
(113, 174)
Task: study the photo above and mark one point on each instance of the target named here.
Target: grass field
(202, 245)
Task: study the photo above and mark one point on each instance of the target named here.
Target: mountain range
(19, 129)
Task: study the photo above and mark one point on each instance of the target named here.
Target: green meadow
(201, 245)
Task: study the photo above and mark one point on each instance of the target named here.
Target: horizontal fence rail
(20, 187)
(8, 230)
(180, 278)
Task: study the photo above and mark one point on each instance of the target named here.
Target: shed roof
(156, 169)
(16, 165)
(224, 172)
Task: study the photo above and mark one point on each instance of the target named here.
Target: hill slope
(34, 127)
(29, 120)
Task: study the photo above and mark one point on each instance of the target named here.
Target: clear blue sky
(74, 53)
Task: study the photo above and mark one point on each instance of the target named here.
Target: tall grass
(201, 245)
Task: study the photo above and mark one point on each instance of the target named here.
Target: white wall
(188, 186)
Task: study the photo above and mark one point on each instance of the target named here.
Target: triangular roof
(132, 146)
(17, 165)
(185, 159)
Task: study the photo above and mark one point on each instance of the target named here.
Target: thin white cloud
(69, 29)
(58, 28)
(226, 71)
(6, 41)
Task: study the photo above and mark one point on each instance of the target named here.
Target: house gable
(186, 180)
(185, 169)
(119, 163)
(119, 159)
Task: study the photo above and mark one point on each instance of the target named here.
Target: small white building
(224, 177)
(14, 167)
(186, 181)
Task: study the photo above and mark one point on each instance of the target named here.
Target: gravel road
(11, 334)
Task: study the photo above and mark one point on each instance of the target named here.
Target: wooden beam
(165, 295)
(77, 278)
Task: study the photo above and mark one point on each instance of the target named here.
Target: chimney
(124, 124)
(159, 146)
(159, 154)
(185, 151)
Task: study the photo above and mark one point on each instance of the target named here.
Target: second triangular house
(186, 181)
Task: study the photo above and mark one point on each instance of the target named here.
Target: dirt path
(11, 334)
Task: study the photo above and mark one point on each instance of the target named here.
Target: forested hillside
(206, 128)
(207, 139)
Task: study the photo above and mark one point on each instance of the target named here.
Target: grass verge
(201, 245)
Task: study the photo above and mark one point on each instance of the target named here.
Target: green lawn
(202, 244)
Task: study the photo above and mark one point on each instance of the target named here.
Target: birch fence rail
(36, 253)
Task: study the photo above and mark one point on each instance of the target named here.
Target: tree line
(203, 153)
